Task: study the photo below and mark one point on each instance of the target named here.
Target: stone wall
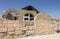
(11, 28)
(19, 14)
(16, 28)
(42, 24)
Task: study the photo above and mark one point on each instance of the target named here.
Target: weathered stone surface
(11, 29)
(11, 33)
(18, 25)
(4, 29)
(18, 32)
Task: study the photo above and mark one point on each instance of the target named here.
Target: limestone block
(5, 21)
(30, 32)
(4, 29)
(5, 25)
(23, 28)
(30, 28)
(2, 25)
(16, 25)
(11, 33)
(16, 22)
(10, 25)
(17, 28)
(11, 21)
(10, 29)
(18, 32)
(6, 37)
(3, 34)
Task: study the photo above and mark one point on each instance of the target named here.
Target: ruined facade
(27, 21)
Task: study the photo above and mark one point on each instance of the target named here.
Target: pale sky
(51, 7)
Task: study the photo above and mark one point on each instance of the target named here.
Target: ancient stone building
(27, 21)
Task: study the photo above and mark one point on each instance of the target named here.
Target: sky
(51, 7)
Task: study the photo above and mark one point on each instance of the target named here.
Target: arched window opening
(14, 16)
(13, 13)
(28, 17)
(31, 17)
